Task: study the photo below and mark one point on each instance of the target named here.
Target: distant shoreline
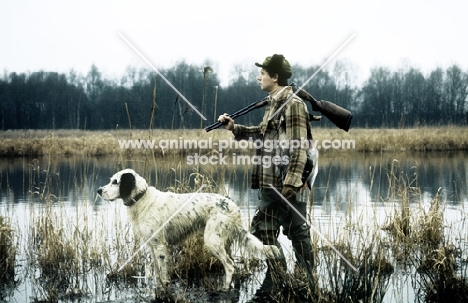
(34, 143)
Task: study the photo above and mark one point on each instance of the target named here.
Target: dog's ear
(127, 184)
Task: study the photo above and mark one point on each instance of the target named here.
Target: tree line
(142, 99)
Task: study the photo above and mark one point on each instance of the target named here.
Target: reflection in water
(342, 177)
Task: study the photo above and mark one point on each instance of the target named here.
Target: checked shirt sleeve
(296, 119)
(242, 132)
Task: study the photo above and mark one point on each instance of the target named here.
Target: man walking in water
(286, 120)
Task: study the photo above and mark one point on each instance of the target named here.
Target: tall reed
(420, 243)
(439, 259)
(8, 252)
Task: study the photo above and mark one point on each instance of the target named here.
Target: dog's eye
(114, 182)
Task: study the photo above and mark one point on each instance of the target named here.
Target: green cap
(276, 64)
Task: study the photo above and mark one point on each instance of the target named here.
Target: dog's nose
(99, 191)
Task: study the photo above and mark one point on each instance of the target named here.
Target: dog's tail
(256, 247)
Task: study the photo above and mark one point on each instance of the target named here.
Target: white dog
(149, 209)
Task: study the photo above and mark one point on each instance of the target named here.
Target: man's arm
(241, 132)
(296, 118)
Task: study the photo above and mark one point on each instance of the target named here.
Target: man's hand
(227, 121)
(289, 192)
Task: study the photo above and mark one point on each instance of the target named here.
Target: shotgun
(340, 116)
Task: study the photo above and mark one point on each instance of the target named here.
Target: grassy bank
(100, 143)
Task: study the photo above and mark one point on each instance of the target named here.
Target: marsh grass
(419, 241)
(8, 252)
(74, 255)
(439, 261)
(363, 271)
(35, 143)
(56, 257)
(402, 191)
(368, 284)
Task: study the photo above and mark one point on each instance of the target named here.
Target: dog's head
(126, 185)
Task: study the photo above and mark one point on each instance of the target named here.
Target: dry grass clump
(439, 281)
(438, 260)
(55, 256)
(430, 227)
(369, 283)
(418, 238)
(8, 252)
(401, 193)
(440, 274)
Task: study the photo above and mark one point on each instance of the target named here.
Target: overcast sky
(64, 35)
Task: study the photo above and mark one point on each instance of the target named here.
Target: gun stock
(340, 116)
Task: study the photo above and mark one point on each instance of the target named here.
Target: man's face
(267, 83)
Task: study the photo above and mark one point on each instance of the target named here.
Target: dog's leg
(215, 241)
(160, 255)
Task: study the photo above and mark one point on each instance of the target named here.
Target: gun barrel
(241, 112)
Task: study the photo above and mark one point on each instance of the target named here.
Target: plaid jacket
(280, 163)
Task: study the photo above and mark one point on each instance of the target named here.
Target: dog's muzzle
(99, 191)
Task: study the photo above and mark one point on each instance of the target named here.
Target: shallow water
(349, 189)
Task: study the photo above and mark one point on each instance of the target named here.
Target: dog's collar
(137, 197)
